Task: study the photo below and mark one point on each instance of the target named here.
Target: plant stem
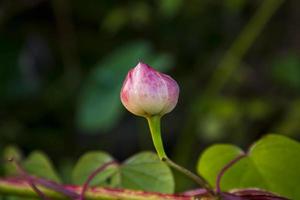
(198, 179)
(93, 175)
(224, 169)
(22, 189)
(154, 124)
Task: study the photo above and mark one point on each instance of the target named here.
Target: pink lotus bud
(147, 92)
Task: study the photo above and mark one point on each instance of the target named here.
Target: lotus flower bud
(147, 92)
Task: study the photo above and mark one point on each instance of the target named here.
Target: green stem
(154, 124)
(198, 179)
(22, 189)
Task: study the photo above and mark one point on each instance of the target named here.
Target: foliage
(88, 163)
(258, 168)
(143, 171)
(62, 64)
(271, 163)
(146, 171)
(39, 164)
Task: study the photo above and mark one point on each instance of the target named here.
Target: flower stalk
(154, 125)
(151, 94)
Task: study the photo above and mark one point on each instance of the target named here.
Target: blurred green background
(62, 64)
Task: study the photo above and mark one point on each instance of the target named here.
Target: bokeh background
(62, 64)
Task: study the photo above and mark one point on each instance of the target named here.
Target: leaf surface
(144, 171)
(88, 163)
(38, 164)
(272, 163)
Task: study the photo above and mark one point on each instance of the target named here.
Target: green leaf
(144, 171)
(99, 106)
(39, 164)
(210, 163)
(277, 159)
(11, 152)
(272, 163)
(88, 163)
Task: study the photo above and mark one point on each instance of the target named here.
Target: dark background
(62, 64)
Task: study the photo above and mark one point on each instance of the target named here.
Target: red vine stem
(32, 181)
(21, 188)
(28, 179)
(224, 169)
(93, 174)
(55, 187)
(36, 189)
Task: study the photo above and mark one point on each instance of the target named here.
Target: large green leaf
(242, 175)
(39, 164)
(88, 163)
(272, 163)
(210, 163)
(278, 161)
(99, 104)
(144, 171)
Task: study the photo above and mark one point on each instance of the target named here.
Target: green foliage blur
(62, 64)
